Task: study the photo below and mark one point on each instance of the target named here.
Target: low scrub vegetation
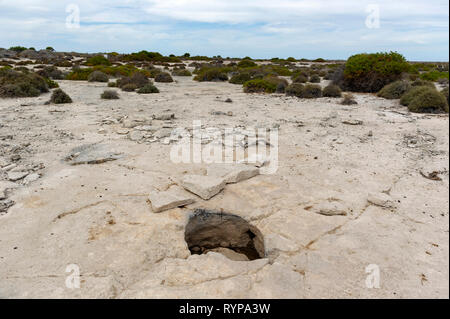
(51, 84)
(394, 90)
(181, 72)
(51, 72)
(212, 74)
(314, 79)
(246, 64)
(79, 74)
(301, 78)
(60, 97)
(98, 60)
(98, 76)
(312, 91)
(148, 56)
(348, 99)
(429, 101)
(130, 87)
(295, 89)
(148, 89)
(371, 72)
(332, 90)
(110, 95)
(21, 84)
(163, 77)
(260, 86)
(425, 99)
(416, 90)
(137, 79)
(434, 75)
(240, 78)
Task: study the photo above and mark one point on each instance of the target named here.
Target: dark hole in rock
(223, 233)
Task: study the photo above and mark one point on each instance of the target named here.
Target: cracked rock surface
(344, 196)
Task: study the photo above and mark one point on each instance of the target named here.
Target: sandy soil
(344, 197)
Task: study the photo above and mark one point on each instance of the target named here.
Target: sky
(330, 29)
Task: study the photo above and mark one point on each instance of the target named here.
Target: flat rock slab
(169, 199)
(203, 186)
(15, 176)
(91, 154)
(258, 160)
(232, 173)
(229, 253)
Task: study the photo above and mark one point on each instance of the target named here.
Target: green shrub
(147, 89)
(348, 99)
(163, 77)
(129, 87)
(295, 89)
(332, 91)
(314, 79)
(112, 84)
(246, 64)
(212, 74)
(60, 97)
(20, 84)
(149, 56)
(79, 74)
(259, 86)
(120, 70)
(109, 95)
(51, 84)
(98, 76)
(276, 80)
(434, 75)
(18, 48)
(240, 78)
(276, 70)
(394, 90)
(370, 72)
(411, 94)
(429, 101)
(98, 60)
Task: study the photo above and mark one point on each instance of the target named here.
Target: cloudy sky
(258, 28)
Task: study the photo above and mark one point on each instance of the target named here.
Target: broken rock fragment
(327, 208)
(381, 199)
(203, 186)
(169, 199)
(352, 122)
(164, 117)
(31, 178)
(233, 173)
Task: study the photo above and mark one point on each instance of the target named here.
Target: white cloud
(260, 28)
